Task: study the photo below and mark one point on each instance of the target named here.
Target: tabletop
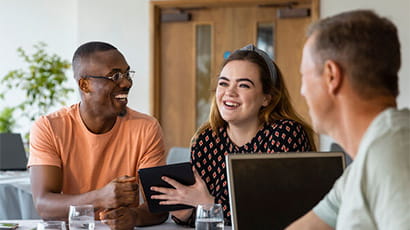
(32, 224)
(168, 225)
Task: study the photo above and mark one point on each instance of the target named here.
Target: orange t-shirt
(90, 161)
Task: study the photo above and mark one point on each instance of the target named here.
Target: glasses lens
(130, 74)
(116, 76)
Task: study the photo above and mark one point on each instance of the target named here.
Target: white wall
(125, 24)
(65, 24)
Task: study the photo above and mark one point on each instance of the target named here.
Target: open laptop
(12, 153)
(270, 191)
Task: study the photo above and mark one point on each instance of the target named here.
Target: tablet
(181, 172)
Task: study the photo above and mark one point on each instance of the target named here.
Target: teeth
(231, 104)
(121, 96)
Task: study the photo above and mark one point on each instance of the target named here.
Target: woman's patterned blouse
(209, 149)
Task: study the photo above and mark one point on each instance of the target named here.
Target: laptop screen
(270, 191)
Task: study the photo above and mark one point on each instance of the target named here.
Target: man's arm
(129, 217)
(145, 217)
(47, 182)
(310, 221)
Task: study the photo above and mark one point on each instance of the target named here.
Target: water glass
(209, 217)
(81, 217)
(51, 225)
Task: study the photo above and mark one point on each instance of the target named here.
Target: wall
(66, 24)
(125, 24)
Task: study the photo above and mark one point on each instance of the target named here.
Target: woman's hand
(189, 195)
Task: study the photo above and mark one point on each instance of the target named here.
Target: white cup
(51, 225)
(209, 217)
(81, 217)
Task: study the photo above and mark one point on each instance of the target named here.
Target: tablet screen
(149, 177)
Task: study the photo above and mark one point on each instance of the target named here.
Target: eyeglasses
(116, 77)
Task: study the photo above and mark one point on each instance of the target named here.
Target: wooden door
(181, 85)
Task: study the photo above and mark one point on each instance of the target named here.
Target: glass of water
(51, 225)
(209, 217)
(81, 217)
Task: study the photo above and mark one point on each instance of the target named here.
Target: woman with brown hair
(250, 113)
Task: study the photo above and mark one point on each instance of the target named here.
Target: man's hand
(122, 191)
(122, 218)
(189, 195)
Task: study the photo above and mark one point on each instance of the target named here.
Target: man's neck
(355, 118)
(94, 121)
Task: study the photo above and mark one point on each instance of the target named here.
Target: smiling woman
(250, 113)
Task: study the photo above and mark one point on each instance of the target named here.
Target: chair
(334, 147)
(178, 155)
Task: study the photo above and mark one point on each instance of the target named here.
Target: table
(16, 201)
(168, 225)
(16, 204)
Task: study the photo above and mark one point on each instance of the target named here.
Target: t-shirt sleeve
(43, 150)
(328, 208)
(154, 152)
(387, 172)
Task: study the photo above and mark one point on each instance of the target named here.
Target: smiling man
(90, 152)
(349, 70)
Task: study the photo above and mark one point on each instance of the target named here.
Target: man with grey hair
(349, 71)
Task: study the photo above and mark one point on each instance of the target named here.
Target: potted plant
(41, 83)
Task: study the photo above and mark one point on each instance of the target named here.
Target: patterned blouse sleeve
(290, 136)
(199, 157)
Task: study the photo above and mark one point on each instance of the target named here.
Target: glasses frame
(129, 75)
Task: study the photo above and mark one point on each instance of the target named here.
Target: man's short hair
(86, 49)
(365, 45)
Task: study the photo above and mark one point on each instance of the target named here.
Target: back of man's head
(86, 49)
(365, 45)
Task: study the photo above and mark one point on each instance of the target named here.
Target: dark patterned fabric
(209, 149)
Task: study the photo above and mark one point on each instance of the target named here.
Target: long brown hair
(279, 106)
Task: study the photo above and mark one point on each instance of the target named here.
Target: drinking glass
(51, 225)
(209, 217)
(81, 217)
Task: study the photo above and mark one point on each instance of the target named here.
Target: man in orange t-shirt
(90, 153)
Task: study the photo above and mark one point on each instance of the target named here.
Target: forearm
(183, 215)
(56, 205)
(310, 221)
(144, 217)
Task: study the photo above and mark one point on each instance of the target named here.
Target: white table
(168, 225)
(16, 204)
(16, 201)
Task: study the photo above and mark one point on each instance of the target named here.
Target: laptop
(270, 191)
(12, 153)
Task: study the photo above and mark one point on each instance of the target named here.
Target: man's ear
(333, 74)
(84, 85)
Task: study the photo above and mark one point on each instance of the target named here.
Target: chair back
(178, 155)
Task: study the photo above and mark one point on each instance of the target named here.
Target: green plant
(7, 121)
(42, 82)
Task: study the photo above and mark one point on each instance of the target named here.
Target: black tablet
(181, 172)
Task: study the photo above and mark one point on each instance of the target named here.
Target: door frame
(155, 35)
